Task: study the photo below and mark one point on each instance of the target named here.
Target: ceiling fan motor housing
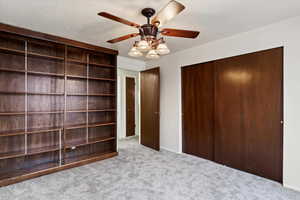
(148, 30)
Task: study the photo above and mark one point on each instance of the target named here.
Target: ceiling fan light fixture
(152, 54)
(162, 49)
(134, 52)
(143, 46)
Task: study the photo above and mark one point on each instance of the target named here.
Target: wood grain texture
(118, 19)
(150, 108)
(122, 38)
(248, 112)
(130, 106)
(229, 135)
(34, 106)
(198, 110)
(263, 113)
(180, 33)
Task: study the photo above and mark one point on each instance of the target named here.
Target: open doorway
(138, 108)
(128, 106)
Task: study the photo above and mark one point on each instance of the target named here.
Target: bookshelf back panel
(101, 132)
(12, 123)
(77, 54)
(12, 103)
(37, 64)
(76, 103)
(11, 43)
(101, 117)
(77, 152)
(12, 82)
(76, 136)
(38, 159)
(12, 144)
(76, 86)
(46, 103)
(75, 119)
(100, 103)
(12, 61)
(102, 87)
(99, 72)
(102, 147)
(101, 58)
(76, 69)
(8, 166)
(45, 121)
(46, 48)
(40, 140)
(45, 84)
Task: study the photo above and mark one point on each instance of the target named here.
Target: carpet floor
(139, 173)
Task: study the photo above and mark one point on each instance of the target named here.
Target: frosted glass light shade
(143, 46)
(162, 49)
(152, 54)
(134, 52)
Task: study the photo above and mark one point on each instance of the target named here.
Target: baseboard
(167, 149)
(291, 187)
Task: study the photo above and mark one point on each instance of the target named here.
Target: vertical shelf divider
(65, 104)
(50, 86)
(87, 98)
(26, 96)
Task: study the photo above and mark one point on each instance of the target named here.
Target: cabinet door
(197, 109)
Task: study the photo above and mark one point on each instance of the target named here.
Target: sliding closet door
(229, 135)
(248, 110)
(198, 109)
(263, 113)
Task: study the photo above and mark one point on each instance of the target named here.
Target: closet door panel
(198, 106)
(229, 136)
(262, 108)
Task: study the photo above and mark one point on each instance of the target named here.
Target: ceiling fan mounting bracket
(148, 12)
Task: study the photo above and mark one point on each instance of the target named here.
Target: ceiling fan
(149, 32)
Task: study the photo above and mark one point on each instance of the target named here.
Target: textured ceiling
(77, 19)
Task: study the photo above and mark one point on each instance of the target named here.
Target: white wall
(128, 68)
(131, 64)
(285, 33)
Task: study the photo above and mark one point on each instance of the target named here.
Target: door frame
(121, 102)
(136, 108)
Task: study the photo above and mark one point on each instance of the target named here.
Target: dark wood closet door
(248, 110)
(198, 110)
(130, 106)
(229, 136)
(150, 89)
(263, 113)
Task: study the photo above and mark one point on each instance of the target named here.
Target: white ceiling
(78, 19)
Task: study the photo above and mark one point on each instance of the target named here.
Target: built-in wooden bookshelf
(58, 104)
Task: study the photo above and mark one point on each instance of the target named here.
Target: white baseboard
(291, 187)
(167, 149)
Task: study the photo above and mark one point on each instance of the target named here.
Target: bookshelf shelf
(46, 85)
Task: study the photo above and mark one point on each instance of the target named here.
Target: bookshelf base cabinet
(57, 104)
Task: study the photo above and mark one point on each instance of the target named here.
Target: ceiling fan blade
(179, 33)
(167, 13)
(118, 19)
(125, 37)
